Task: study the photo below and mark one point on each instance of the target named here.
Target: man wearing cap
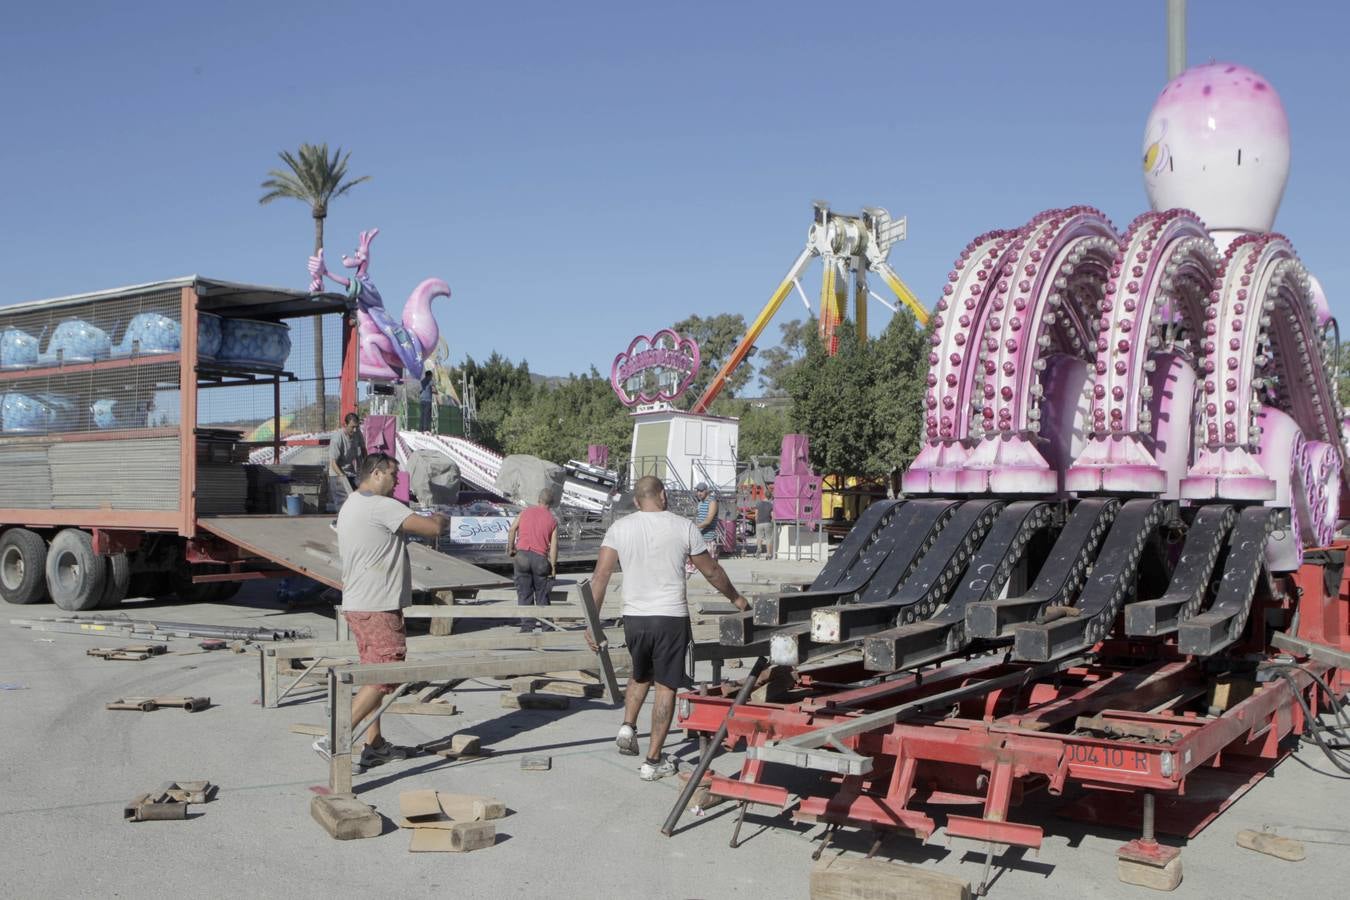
(705, 517)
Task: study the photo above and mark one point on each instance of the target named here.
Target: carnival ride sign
(479, 529)
(654, 369)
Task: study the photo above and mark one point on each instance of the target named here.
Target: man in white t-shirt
(376, 585)
(650, 547)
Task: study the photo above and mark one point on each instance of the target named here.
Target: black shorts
(657, 646)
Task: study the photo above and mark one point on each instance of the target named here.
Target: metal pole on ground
(706, 760)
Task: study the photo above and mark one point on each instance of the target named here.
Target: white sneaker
(627, 740)
(321, 747)
(654, 771)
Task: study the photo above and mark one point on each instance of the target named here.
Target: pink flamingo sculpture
(388, 349)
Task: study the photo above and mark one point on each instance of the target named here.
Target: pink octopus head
(1217, 142)
(360, 260)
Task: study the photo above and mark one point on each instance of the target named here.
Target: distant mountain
(550, 380)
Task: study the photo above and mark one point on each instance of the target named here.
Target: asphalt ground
(588, 827)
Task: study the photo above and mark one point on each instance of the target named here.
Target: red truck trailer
(126, 421)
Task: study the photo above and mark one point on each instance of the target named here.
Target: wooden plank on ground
(841, 878)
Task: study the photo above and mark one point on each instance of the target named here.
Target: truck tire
(23, 566)
(75, 573)
(228, 589)
(119, 579)
(189, 592)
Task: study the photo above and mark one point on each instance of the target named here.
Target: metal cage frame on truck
(105, 496)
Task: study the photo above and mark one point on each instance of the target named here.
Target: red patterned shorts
(380, 638)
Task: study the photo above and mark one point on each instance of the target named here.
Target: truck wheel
(75, 573)
(119, 579)
(189, 592)
(23, 562)
(228, 590)
(150, 585)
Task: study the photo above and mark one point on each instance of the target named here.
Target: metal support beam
(807, 750)
(1176, 38)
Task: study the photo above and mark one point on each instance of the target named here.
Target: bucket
(294, 505)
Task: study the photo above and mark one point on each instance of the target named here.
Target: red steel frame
(1000, 746)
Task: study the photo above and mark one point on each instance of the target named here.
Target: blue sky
(583, 172)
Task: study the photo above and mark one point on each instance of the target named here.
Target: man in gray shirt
(376, 585)
(346, 451)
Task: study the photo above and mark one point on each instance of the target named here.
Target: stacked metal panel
(221, 488)
(129, 474)
(28, 479)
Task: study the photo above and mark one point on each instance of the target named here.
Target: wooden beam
(535, 662)
(495, 611)
(597, 632)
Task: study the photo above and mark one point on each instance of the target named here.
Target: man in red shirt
(533, 542)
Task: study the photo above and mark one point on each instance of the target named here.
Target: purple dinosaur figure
(388, 349)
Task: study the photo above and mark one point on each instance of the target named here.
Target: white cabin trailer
(683, 449)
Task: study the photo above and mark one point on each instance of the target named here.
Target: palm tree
(314, 177)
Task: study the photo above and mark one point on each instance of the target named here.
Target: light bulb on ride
(1217, 143)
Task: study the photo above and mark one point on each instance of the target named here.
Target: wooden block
(557, 686)
(1272, 845)
(704, 799)
(1226, 693)
(416, 708)
(568, 688)
(459, 838)
(582, 675)
(472, 807)
(345, 818)
(432, 691)
(839, 878)
(536, 763)
(303, 728)
(457, 746)
(415, 804)
(534, 701)
(465, 744)
(1159, 878)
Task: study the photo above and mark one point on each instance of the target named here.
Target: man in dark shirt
(764, 528)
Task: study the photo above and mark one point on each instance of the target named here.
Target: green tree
(862, 407)
(762, 428)
(776, 362)
(557, 421)
(1343, 373)
(313, 177)
(899, 365)
(717, 336)
(500, 385)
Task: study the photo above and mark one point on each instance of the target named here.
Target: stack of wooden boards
(439, 822)
(454, 823)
